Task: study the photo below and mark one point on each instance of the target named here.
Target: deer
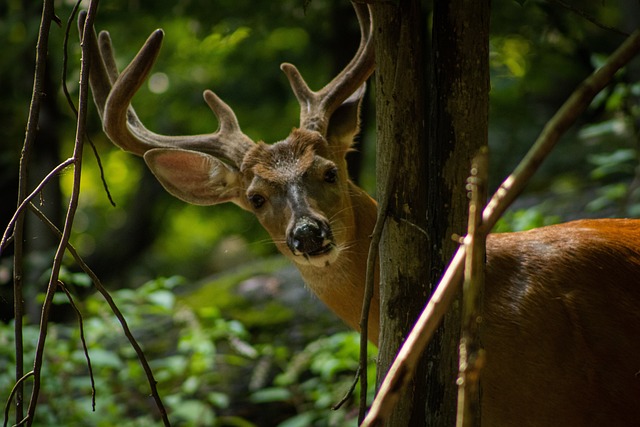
(561, 311)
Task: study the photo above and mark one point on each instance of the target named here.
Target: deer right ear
(344, 123)
(195, 177)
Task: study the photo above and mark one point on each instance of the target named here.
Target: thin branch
(372, 260)
(84, 343)
(404, 365)
(13, 392)
(471, 353)
(28, 199)
(65, 90)
(588, 17)
(29, 139)
(65, 58)
(349, 392)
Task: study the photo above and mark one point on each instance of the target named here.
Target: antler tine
(113, 93)
(317, 107)
(107, 55)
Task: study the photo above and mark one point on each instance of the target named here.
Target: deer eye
(256, 200)
(331, 175)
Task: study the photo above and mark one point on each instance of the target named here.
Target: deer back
(561, 325)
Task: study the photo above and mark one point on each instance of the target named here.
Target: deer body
(561, 322)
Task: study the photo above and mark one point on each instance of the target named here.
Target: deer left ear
(344, 123)
(195, 177)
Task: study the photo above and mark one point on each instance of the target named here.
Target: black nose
(308, 236)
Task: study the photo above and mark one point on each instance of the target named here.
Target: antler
(112, 94)
(316, 107)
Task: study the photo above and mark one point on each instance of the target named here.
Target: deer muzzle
(310, 237)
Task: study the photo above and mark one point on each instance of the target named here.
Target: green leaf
(274, 394)
(219, 400)
(195, 412)
(164, 299)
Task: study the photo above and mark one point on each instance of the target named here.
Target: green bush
(209, 370)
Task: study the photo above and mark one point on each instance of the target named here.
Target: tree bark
(459, 128)
(432, 118)
(401, 89)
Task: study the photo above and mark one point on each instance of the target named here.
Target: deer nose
(309, 236)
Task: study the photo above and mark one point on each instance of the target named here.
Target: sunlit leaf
(274, 394)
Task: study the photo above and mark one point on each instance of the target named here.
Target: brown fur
(280, 162)
(562, 325)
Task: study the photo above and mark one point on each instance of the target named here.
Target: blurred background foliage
(232, 335)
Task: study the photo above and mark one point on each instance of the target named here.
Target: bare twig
(585, 15)
(27, 200)
(29, 139)
(13, 392)
(404, 365)
(471, 353)
(84, 343)
(349, 392)
(65, 58)
(372, 260)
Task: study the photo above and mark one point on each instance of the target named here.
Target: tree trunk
(425, 147)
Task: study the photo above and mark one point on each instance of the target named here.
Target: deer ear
(195, 177)
(344, 123)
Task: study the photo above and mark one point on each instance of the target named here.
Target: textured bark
(402, 149)
(430, 125)
(460, 94)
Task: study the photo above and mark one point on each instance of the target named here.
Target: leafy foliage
(199, 359)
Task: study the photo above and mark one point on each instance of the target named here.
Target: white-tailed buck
(561, 323)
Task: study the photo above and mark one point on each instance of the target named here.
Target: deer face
(297, 193)
(297, 188)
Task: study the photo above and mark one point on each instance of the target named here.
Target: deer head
(298, 187)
